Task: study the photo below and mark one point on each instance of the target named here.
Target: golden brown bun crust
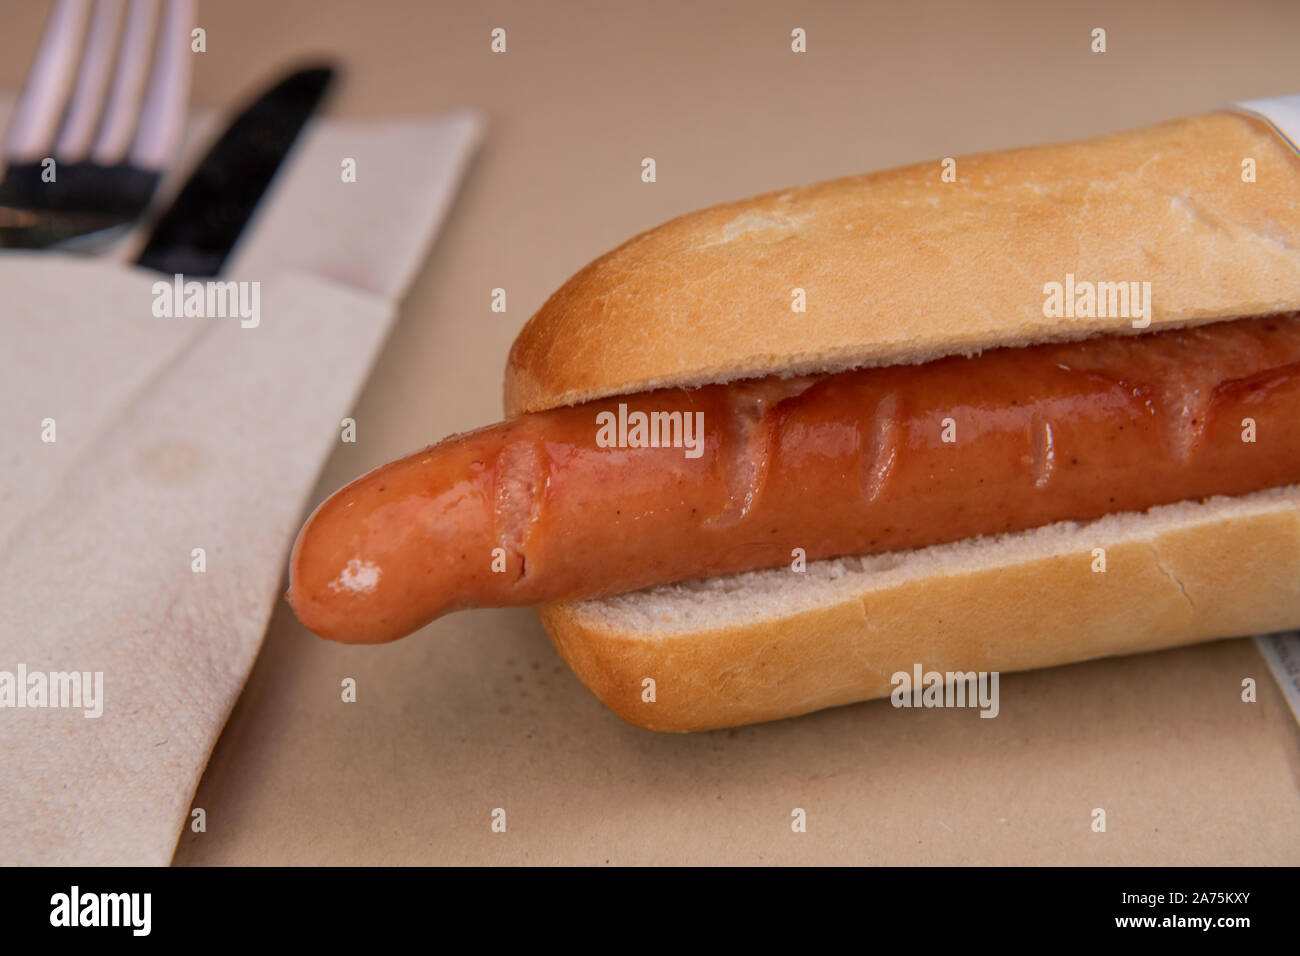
(898, 266)
(1194, 580)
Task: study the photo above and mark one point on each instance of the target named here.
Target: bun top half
(901, 267)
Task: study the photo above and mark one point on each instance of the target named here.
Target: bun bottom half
(763, 645)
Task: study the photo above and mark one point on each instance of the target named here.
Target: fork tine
(121, 113)
(36, 118)
(162, 120)
(88, 96)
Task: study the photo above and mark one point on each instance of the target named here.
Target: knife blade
(197, 232)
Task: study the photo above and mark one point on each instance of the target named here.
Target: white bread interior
(900, 267)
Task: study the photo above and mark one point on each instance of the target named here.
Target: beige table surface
(476, 711)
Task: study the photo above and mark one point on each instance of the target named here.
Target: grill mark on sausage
(518, 492)
(1260, 385)
(1042, 450)
(747, 439)
(1181, 409)
(882, 452)
(748, 436)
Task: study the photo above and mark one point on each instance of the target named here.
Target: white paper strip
(1281, 112)
(1282, 651)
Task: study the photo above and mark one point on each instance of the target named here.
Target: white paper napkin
(172, 435)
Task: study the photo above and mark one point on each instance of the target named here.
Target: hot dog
(857, 462)
(762, 510)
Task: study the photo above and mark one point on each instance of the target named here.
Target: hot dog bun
(768, 644)
(900, 267)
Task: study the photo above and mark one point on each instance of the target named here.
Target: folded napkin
(171, 435)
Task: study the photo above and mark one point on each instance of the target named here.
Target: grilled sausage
(575, 502)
